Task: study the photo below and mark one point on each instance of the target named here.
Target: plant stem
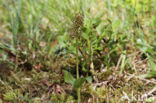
(78, 95)
(77, 59)
(89, 56)
(77, 70)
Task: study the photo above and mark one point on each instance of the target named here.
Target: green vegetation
(83, 51)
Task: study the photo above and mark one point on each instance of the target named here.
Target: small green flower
(78, 24)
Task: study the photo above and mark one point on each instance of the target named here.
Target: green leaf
(123, 62)
(116, 24)
(100, 28)
(79, 82)
(85, 36)
(89, 79)
(68, 77)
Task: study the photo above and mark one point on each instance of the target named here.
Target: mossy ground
(117, 49)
